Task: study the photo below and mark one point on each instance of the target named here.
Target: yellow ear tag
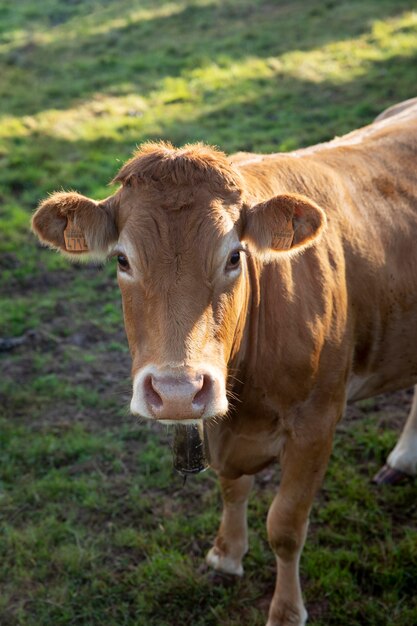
(74, 237)
(282, 241)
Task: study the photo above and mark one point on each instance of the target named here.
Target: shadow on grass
(272, 117)
(276, 118)
(139, 54)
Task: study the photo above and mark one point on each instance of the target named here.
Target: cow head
(181, 226)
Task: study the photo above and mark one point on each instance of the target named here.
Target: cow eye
(234, 260)
(123, 262)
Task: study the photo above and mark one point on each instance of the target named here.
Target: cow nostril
(202, 396)
(152, 396)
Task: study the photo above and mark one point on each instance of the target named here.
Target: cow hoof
(288, 616)
(390, 476)
(222, 563)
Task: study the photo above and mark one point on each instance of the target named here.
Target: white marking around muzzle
(217, 406)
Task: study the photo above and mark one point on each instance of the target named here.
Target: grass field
(95, 529)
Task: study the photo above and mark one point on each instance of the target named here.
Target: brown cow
(287, 282)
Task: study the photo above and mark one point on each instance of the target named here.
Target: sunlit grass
(342, 61)
(210, 87)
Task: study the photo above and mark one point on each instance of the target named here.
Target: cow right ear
(284, 224)
(75, 225)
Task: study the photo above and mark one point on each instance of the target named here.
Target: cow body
(242, 308)
(340, 319)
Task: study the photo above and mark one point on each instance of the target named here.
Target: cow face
(181, 231)
(181, 273)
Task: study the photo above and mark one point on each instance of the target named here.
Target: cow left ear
(283, 223)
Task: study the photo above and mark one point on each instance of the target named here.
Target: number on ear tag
(74, 237)
(282, 241)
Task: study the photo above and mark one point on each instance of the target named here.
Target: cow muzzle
(178, 395)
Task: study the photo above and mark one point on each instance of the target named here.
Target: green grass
(94, 526)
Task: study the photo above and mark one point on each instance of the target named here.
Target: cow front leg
(303, 467)
(402, 460)
(231, 543)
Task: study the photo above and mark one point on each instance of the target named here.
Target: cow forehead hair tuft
(197, 163)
